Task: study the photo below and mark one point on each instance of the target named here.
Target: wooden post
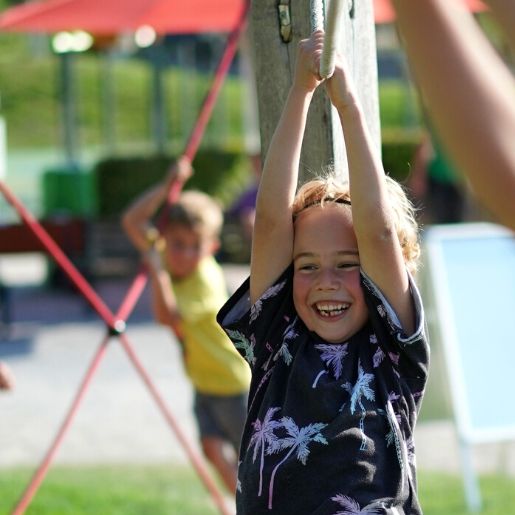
(274, 64)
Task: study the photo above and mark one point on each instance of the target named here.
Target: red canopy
(105, 17)
(385, 13)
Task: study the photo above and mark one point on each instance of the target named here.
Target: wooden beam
(274, 65)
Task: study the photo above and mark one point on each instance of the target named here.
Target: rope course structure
(116, 322)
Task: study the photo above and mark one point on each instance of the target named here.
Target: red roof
(105, 17)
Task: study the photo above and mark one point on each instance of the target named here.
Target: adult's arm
(469, 94)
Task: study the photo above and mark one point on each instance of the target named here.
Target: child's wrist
(351, 108)
(153, 259)
(302, 90)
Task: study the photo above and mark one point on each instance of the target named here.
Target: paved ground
(50, 345)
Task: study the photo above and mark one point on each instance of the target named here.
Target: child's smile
(326, 288)
(331, 310)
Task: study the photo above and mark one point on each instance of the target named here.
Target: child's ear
(214, 245)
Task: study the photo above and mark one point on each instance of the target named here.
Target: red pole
(221, 72)
(42, 470)
(193, 455)
(58, 255)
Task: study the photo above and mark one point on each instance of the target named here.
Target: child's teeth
(330, 310)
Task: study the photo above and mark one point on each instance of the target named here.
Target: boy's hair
(330, 189)
(196, 211)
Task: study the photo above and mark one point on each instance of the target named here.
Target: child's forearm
(164, 303)
(370, 205)
(272, 241)
(137, 218)
(372, 214)
(280, 172)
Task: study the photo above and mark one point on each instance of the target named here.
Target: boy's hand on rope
(307, 67)
(180, 171)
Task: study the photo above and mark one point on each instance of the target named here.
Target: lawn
(156, 490)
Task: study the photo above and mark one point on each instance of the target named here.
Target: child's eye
(307, 267)
(348, 265)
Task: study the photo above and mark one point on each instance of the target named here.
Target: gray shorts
(221, 416)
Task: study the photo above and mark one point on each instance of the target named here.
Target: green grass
(109, 490)
(155, 490)
(442, 494)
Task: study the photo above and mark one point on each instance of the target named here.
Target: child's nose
(327, 280)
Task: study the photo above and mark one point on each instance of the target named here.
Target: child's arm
(380, 252)
(137, 222)
(272, 244)
(6, 377)
(164, 304)
(468, 91)
(137, 218)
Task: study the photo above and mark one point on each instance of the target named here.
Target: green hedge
(219, 173)
(398, 150)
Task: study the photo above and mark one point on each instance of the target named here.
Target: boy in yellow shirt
(188, 289)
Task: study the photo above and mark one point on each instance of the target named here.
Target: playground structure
(116, 321)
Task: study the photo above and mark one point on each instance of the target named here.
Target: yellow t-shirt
(212, 362)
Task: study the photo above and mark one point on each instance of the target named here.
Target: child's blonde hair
(197, 211)
(329, 189)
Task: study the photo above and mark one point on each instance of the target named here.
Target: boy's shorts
(221, 416)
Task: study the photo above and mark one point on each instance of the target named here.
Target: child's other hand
(307, 68)
(181, 170)
(6, 377)
(340, 86)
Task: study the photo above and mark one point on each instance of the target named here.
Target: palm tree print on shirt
(361, 388)
(263, 436)
(255, 310)
(352, 507)
(288, 335)
(298, 440)
(242, 343)
(332, 356)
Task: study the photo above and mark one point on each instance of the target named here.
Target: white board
(472, 274)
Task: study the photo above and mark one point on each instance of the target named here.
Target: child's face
(185, 248)
(326, 284)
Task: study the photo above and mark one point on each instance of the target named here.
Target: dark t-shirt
(330, 426)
